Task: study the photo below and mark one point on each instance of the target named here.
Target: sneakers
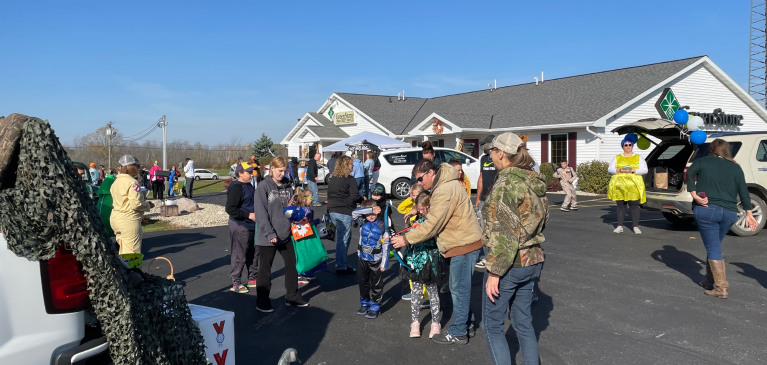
(239, 289)
(571, 208)
(300, 303)
(480, 264)
(363, 310)
(373, 314)
(317, 204)
(619, 229)
(407, 296)
(435, 330)
(265, 307)
(448, 339)
(637, 231)
(251, 284)
(302, 280)
(564, 209)
(415, 330)
(346, 271)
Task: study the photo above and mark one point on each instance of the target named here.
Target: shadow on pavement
(170, 238)
(683, 262)
(261, 338)
(647, 218)
(751, 271)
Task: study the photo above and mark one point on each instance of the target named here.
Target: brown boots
(720, 287)
(708, 282)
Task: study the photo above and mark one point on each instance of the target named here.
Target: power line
(152, 127)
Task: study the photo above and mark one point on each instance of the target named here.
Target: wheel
(759, 207)
(215, 177)
(327, 179)
(401, 188)
(673, 218)
(196, 178)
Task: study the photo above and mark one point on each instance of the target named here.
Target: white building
(565, 119)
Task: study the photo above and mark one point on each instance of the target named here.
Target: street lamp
(110, 134)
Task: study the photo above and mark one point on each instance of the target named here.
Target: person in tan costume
(128, 206)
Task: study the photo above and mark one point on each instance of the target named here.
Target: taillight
(684, 175)
(65, 288)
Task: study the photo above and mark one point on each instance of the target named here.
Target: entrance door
(471, 147)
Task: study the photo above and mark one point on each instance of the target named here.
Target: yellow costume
(128, 206)
(627, 186)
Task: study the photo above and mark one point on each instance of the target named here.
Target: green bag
(309, 252)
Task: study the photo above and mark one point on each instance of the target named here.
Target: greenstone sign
(667, 104)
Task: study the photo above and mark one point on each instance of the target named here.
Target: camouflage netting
(44, 204)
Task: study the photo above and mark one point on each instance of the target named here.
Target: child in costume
(379, 196)
(373, 252)
(301, 213)
(408, 208)
(426, 266)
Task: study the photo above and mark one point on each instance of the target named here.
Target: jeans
(366, 185)
(713, 224)
(343, 225)
(375, 180)
(461, 268)
(360, 182)
(313, 188)
(244, 255)
(519, 281)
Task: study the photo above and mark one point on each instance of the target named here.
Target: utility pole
(110, 132)
(164, 125)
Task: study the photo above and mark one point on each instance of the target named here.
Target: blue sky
(234, 69)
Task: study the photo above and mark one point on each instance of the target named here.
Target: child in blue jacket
(373, 252)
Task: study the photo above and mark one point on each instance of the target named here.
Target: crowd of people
(444, 234)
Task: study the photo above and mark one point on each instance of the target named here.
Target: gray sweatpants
(243, 252)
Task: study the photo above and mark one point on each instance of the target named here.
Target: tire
(759, 208)
(401, 188)
(215, 177)
(196, 178)
(682, 221)
(327, 179)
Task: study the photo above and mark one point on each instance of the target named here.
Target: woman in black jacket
(343, 197)
(273, 235)
(242, 226)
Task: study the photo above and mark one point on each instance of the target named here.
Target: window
(439, 143)
(558, 148)
(403, 158)
(414, 143)
(734, 148)
(671, 151)
(761, 153)
(449, 155)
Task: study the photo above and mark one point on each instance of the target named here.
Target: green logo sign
(667, 104)
(331, 113)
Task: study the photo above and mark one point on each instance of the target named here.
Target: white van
(397, 168)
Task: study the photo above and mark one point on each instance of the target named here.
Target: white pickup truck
(42, 311)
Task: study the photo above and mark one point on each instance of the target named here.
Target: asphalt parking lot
(605, 298)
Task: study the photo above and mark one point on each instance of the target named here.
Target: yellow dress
(627, 186)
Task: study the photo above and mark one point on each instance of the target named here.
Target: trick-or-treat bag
(309, 252)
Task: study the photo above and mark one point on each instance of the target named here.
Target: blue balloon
(698, 137)
(632, 137)
(681, 116)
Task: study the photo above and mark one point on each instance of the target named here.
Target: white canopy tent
(383, 142)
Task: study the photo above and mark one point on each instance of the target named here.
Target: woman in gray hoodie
(273, 235)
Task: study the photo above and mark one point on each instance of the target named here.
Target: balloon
(698, 137)
(695, 123)
(632, 137)
(681, 116)
(643, 143)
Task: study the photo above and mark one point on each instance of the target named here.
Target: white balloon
(695, 123)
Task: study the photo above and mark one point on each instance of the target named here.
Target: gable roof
(574, 99)
(328, 128)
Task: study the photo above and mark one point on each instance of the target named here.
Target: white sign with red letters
(217, 327)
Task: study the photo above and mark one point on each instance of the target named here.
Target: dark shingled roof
(574, 99)
(328, 129)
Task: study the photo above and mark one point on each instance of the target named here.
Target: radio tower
(757, 61)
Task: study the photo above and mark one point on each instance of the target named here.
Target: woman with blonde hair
(343, 197)
(128, 206)
(273, 234)
(715, 183)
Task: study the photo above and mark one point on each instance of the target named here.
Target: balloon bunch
(694, 125)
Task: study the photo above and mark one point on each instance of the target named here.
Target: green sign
(331, 113)
(667, 104)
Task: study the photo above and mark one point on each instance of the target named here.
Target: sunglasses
(310, 198)
(420, 179)
(627, 145)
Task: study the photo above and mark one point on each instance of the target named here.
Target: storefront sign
(345, 118)
(667, 104)
(719, 118)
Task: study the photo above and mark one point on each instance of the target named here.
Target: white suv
(397, 168)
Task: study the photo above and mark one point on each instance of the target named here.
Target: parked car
(672, 157)
(397, 167)
(202, 174)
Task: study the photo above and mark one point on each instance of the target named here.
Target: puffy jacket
(374, 241)
(515, 213)
(451, 218)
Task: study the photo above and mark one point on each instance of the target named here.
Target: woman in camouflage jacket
(515, 214)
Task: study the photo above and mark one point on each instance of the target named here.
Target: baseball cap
(128, 160)
(378, 191)
(244, 166)
(93, 164)
(488, 139)
(507, 142)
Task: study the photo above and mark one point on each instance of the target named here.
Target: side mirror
(468, 161)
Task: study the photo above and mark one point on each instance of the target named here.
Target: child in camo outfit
(426, 267)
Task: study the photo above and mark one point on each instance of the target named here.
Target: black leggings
(264, 283)
(634, 206)
(158, 187)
